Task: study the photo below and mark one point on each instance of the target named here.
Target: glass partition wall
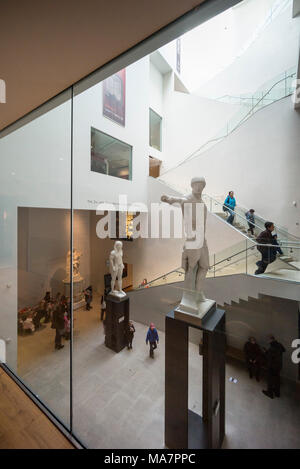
(56, 208)
(36, 227)
(74, 178)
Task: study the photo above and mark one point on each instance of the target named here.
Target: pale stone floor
(119, 398)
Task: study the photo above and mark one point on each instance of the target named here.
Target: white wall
(259, 161)
(156, 89)
(89, 187)
(190, 121)
(275, 50)
(212, 46)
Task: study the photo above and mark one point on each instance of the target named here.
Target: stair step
(253, 299)
(295, 264)
(286, 259)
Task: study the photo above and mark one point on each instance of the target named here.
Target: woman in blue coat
(229, 205)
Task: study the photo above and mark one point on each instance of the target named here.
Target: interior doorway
(154, 167)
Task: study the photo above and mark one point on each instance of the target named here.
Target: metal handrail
(251, 110)
(196, 152)
(255, 244)
(279, 229)
(235, 213)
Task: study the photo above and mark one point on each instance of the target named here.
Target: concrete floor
(119, 398)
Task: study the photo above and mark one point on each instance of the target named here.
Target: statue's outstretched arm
(173, 200)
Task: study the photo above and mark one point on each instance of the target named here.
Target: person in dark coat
(253, 355)
(40, 313)
(277, 248)
(88, 298)
(251, 220)
(129, 334)
(47, 297)
(152, 338)
(59, 325)
(268, 253)
(274, 366)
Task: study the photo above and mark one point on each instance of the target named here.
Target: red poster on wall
(114, 89)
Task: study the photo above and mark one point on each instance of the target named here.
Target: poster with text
(114, 89)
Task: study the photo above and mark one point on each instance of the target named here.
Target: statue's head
(118, 246)
(198, 184)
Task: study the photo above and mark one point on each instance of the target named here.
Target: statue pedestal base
(194, 307)
(78, 296)
(183, 427)
(116, 322)
(117, 295)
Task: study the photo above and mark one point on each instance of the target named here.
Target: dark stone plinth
(116, 322)
(184, 428)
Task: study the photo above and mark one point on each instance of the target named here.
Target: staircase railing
(280, 87)
(242, 258)
(216, 206)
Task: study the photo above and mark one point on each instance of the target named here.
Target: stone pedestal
(116, 321)
(183, 427)
(194, 307)
(78, 296)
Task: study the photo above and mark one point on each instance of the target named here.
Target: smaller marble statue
(73, 257)
(116, 269)
(75, 262)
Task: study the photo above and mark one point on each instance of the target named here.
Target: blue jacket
(230, 202)
(152, 336)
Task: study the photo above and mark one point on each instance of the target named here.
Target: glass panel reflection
(110, 156)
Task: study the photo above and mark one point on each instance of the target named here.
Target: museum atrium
(96, 164)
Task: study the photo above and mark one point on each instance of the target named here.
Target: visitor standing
(253, 355)
(88, 298)
(103, 308)
(152, 338)
(129, 334)
(59, 325)
(274, 367)
(67, 326)
(47, 297)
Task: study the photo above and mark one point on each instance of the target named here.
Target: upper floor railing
(242, 258)
(215, 205)
(281, 86)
